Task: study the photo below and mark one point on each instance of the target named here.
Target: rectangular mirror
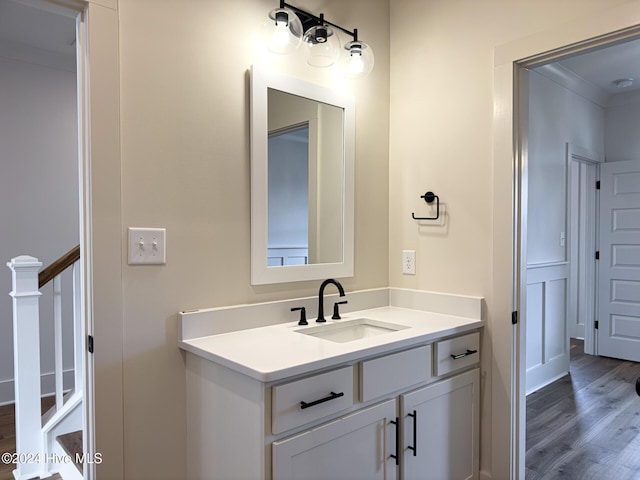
(302, 180)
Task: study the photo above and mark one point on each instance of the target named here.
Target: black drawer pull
(397, 454)
(461, 355)
(414, 448)
(333, 396)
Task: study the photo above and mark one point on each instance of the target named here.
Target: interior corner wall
(184, 77)
(39, 193)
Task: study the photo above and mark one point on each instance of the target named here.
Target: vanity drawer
(394, 372)
(456, 353)
(311, 398)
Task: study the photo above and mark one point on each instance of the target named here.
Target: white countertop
(275, 352)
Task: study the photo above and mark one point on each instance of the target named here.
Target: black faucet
(321, 318)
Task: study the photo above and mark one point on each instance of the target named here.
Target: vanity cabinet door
(357, 446)
(441, 429)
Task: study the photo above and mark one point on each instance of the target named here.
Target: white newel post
(26, 360)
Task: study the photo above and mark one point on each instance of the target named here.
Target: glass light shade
(282, 31)
(358, 60)
(321, 46)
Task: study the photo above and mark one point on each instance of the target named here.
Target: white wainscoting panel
(546, 324)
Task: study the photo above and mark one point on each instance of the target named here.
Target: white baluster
(57, 339)
(26, 359)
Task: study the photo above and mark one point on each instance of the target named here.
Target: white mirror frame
(261, 274)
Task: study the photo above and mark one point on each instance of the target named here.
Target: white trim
(578, 85)
(85, 274)
(576, 153)
(261, 274)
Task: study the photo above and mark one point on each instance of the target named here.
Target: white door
(356, 447)
(441, 430)
(619, 266)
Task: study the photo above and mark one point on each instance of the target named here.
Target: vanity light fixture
(283, 33)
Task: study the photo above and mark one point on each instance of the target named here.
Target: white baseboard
(47, 385)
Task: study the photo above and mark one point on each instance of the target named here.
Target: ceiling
(602, 67)
(24, 25)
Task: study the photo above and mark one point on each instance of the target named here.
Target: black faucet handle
(303, 315)
(336, 311)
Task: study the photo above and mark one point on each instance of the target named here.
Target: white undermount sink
(343, 331)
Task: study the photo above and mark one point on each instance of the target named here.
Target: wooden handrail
(59, 266)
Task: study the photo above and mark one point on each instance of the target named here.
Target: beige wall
(185, 166)
(441, 139)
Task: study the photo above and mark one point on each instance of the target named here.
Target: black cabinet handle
(333, 396)
(414, 448)
(461, 355)
(397, 454)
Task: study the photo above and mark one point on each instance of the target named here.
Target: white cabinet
(411, 414)
(357, 446)
(441, 429)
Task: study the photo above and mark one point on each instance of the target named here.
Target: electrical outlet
(147, 246)
(409, 262)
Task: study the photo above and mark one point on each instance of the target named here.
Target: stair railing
(27, 280)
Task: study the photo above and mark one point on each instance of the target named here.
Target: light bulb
(282, 31)
(356, 64)
(358, 59)
(321, 46)
(280, 34)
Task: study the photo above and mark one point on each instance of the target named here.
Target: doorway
(551, 250)
(44, 52)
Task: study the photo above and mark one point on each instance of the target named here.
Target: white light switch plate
(147, 246)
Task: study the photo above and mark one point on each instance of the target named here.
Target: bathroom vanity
(387, 392)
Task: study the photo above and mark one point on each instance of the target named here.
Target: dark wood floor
(8, 436)
(587, 424)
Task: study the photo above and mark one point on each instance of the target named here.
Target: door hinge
(597, 255)
(90, 343)
(598, 185)
(596, 325)
(514, 317)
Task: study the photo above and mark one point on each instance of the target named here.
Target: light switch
(147, 246)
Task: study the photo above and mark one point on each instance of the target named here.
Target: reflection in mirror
(288, 227)
(305, 169)
(302, 156)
